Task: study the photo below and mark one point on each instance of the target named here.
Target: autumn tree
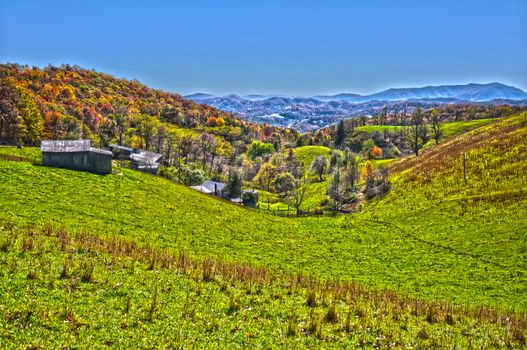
(371, 150)
(220, 121)
(10, 121)
(340, 134)
(32, 122)
(283, 183)
(90, 118)
(266, 176)
(211, 121)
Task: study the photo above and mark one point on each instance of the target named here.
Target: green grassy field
(434, 237)
(306, 154)
(449, 130)
(80, 291)
(418, 240)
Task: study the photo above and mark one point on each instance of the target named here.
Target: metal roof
(201, 189)
(209, 184)
(146, 157)
(124, 148)
(65, 146)
(101, 151)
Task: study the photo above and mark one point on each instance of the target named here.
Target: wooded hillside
(70, 102)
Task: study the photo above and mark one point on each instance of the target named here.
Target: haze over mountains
(307, 113)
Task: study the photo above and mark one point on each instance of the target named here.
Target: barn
(76, 155)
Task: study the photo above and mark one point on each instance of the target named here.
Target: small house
(201, 189)
(141, 160)
(145, 161)
(215, 187)
(120, 152)
(76, 155)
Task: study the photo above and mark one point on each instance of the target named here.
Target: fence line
(284, 211)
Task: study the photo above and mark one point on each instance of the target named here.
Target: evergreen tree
(234, 185)
(341, 134)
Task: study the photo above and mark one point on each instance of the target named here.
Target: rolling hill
(310, 113)
(437, 252)
(469, 93)
(70, 102)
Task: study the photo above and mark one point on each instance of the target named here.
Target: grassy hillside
(427, 238)
(306, 154)
(316, 190)
(449, 129)
(70, 102)
(80, 291)
(434, 237)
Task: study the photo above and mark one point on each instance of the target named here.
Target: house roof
(63, 146)
(145, 157)
(123, 148)
(101, 151)
(201, 189)
(209, 184)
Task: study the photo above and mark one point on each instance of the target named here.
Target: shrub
(249, 198)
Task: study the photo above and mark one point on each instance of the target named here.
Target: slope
(70, 102)
(63, 290)
(432, 237)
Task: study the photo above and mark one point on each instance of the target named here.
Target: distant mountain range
(307, 113)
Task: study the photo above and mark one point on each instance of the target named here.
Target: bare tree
(435, 124)
(336, 192)
(352, 171)
(298, 194)
(416, 130)
(320, 166)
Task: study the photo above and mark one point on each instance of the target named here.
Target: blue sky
(274, 47)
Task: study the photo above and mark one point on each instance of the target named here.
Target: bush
(249, 198)
(318, 211)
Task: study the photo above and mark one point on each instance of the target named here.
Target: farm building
(119, 151)
(76, 155)
(215, 187)
(201, 189)
(144, 161)
(211, 187)
(248, 197)
(147, 162)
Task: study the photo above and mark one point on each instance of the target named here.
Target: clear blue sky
(274, 46)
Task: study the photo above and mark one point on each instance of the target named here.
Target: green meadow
(451, 233)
